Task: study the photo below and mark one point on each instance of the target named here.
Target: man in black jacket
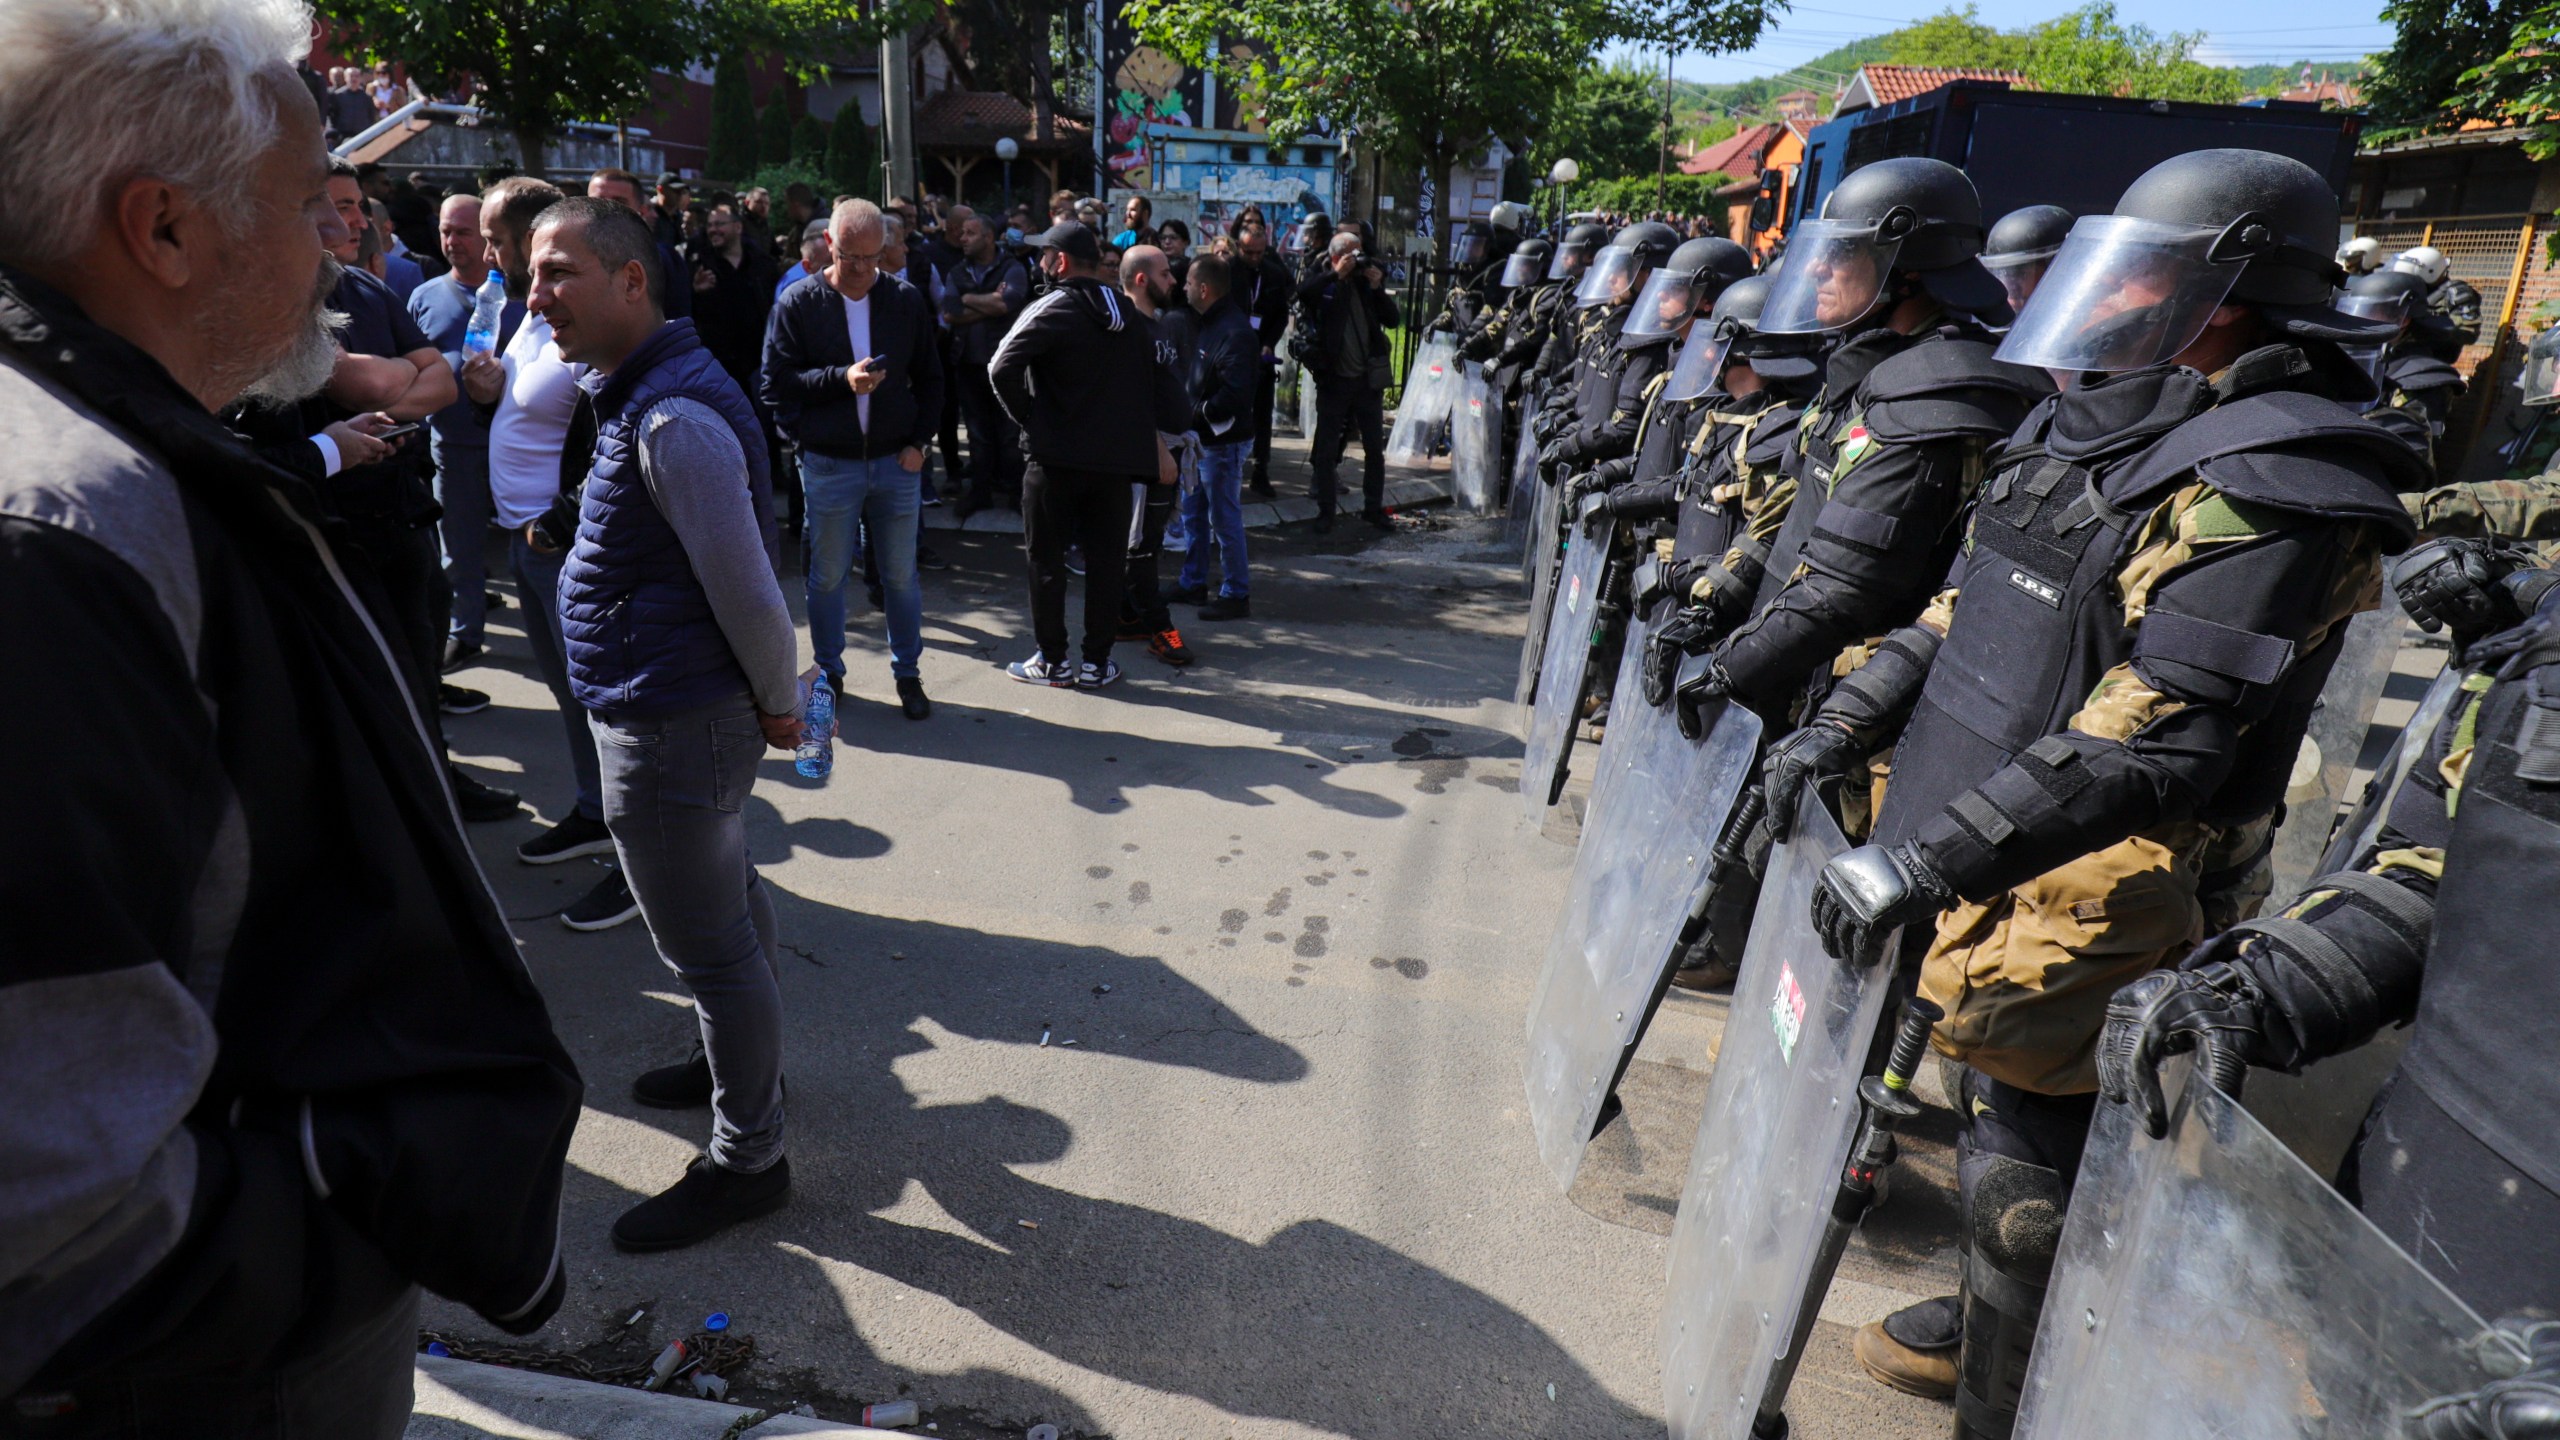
(1078, 373)
(1346, 299)
(981, 295)
(853, 375)
(281, 1063)
(1263, 289)
(1146, 278)
(1222, 378)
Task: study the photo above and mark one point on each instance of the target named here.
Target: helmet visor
(1665, 304)
(1521, 269)
(1700, 367)
(2540, 381)
(2021, 272)
(1569, 259)
(1610, 279)
(1834, 273)
(2390, 309)
(1471, 247)
(2123, 293)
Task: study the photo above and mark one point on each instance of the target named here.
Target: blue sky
(2262, 31)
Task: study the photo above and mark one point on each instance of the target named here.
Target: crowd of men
(2030, 546)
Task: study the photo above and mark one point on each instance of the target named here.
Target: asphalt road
(1279, 920)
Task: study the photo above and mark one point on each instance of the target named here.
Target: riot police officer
(2453, 299)
(1891, 450)
(1596, 418)
(2105, 704)
(2021, 247)
(2418, 387)
(1547, 340)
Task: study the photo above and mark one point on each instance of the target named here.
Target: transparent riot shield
(1524, 476)
(1657, 805)
(1782, 1110)
(2209, 1283)
(1542, 562)
(2324, 771)
(1422, 414)
(1556, 708)
(1475, 443)
(2318, 1112)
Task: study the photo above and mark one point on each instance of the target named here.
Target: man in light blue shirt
(814, 257)
(458, 434)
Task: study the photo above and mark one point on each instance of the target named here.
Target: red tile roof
(1735, 153)
(1900, 82)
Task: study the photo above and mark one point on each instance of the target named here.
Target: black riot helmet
(1473, 247)
(2393, 295)
(1692, 276)
(1580, 244)
(1528, 264)
(1618, 273)
(1700, 366)
(2021, 248)
(1894, 217)
(2196, 232)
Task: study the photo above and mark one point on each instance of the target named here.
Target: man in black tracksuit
(1263, 290)
(1078, 373)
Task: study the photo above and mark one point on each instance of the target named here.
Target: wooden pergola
(957, 131)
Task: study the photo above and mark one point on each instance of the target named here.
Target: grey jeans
(675, 793)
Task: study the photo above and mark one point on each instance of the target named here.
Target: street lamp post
(1006, 149)
(1564, 172)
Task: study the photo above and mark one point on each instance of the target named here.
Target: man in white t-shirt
(532, 394)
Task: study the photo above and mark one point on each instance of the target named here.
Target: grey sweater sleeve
(698, 476)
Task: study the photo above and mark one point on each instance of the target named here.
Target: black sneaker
(709, 1199)
(928, 558)
(460, 699)
(1227, 607)
(1189, 595)
(1093, 676)
(493, 599)
(481, 803)
(459, 653)
(1377, 520)
(574, 836)
(1075, 560)
(1260, 485)
(911, 698)
(607, 905)
(1324, 522)
(685, 1085)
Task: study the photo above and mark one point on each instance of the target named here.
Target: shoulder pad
(2416, 372)
(1949, 388)
(1775, 432)
(2286, 450)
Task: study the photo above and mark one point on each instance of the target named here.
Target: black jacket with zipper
(1078, 373)
(807, 351)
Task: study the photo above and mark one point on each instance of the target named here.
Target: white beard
(306, 364)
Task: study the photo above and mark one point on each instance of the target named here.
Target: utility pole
(1662, 156)
(897, 118)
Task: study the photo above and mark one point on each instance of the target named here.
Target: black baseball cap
(670, 180)
(1072, 237)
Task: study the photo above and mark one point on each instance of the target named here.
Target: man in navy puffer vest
(682, 651)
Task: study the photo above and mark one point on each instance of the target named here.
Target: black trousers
(949, 433)
(995, 447)
(1266, 380)
(1062, 507)
(1340, 404)
(1144, 604)
(410, 562)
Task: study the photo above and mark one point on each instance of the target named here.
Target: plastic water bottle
(488, 308)
(816, 757)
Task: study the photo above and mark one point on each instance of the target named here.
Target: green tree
(540, 64)
(1609, 120)
(853, 162)
(733, 121)
(2520, 85)
(1428, 80)
(2086, 52)
(2416, 85)
(773, 130)
(809, 140)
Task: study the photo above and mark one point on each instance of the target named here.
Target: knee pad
(2013, 1226)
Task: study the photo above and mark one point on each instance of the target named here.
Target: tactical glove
(1818, 750)
(1864, 894)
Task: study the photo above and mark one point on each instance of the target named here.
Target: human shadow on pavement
(1100, 767)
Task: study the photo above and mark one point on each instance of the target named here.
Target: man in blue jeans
(1223, 377)
(680, 649)
(853, 375)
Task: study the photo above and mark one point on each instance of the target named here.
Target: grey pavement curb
(1258, 514)
(463, 1400)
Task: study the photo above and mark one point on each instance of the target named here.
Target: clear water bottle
(816, 757)
(488, 308)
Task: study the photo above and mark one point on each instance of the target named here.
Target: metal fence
(2495, 254)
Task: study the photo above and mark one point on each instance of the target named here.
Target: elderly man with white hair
(277, 1063)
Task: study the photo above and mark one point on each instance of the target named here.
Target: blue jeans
(538, 590)
(675, 798)
(844, 497)
(462, 487)
(1218, 506)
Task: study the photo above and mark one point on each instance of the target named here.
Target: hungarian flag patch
(1856, 443)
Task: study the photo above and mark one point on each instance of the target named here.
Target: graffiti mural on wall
(1145, 87)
